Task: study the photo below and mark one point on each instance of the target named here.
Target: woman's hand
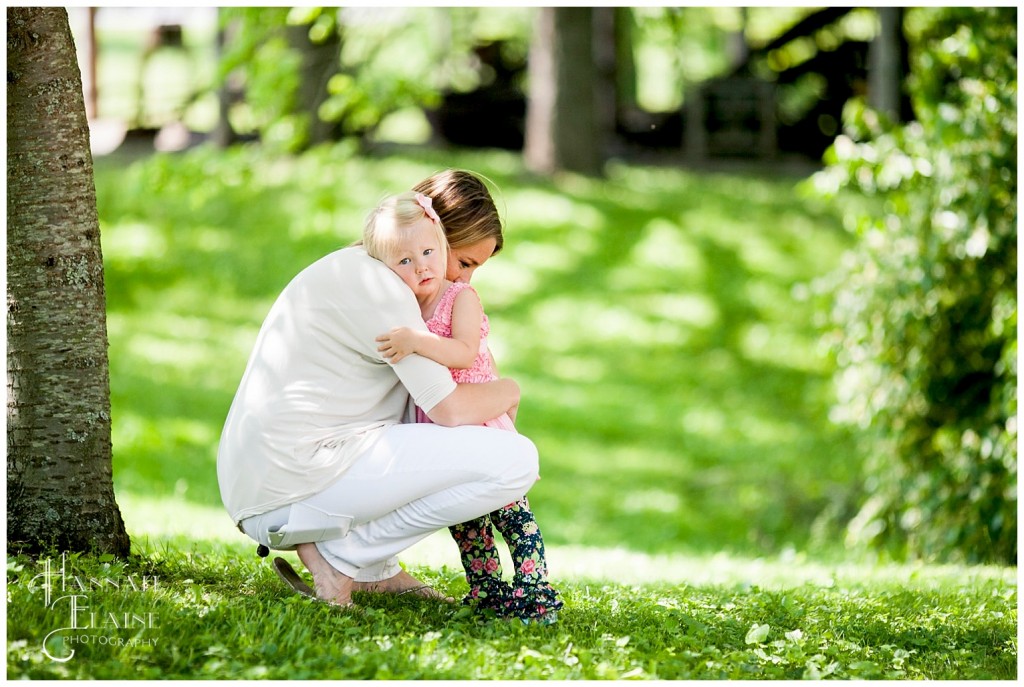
(398, 343)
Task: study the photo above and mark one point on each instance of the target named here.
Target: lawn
(215, 612)
(662, 326)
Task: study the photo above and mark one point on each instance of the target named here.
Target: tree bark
(562, 130)
(60, 492)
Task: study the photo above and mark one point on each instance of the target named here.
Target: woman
(470, 220)
(317, 452)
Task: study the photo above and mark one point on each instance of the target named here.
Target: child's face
(419, 260)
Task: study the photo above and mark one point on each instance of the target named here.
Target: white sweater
(316, 393)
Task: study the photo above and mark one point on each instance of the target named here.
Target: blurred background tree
(925, 309)
(297, 77)
(562, 124)
(306, 75)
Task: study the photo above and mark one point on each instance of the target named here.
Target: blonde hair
(387, 224)
(465, 206)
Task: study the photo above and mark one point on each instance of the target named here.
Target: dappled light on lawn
(194, 528)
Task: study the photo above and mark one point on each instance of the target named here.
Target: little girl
(406, 234)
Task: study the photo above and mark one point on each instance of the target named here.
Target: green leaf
(757, 634)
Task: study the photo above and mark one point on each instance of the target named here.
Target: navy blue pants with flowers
(529, 596)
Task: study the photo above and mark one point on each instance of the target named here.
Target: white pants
(415, 480)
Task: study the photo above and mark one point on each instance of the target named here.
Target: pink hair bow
(428, 206)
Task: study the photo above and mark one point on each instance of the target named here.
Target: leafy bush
(924, 308)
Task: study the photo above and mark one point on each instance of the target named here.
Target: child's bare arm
(467, 316)
(458, 352)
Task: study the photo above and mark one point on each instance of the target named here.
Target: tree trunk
(625, 63)
(320, 61)
(562, 130)
(885, 62)
(223, 134)
(59, 485)
(606, 63)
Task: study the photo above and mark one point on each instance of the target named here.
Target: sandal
(291, 578)
(427, 592)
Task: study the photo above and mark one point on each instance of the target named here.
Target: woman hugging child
(405, 233)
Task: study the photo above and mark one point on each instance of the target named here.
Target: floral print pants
(529, 596)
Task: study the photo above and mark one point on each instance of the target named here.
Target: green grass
(219, 614)
(659, 324)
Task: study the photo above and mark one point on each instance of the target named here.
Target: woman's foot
(402, 583)
(331, 586)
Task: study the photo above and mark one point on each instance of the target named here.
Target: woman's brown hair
(465, 206)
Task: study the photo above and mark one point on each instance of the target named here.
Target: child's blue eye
(403, 261)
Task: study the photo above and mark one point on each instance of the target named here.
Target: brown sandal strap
(291, 578)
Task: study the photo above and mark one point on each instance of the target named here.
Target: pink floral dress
(482, 369)
(529, 597)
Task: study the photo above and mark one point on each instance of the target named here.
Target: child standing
(406, 234)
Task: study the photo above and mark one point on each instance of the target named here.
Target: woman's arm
(467, 317)
(475, 404)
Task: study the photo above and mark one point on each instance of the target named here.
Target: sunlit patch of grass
(153, 520)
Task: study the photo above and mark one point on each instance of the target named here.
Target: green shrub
(924, 309)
